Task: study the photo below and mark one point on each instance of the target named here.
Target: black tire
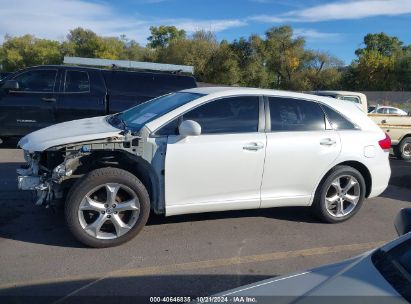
(319, 204)
(93, 180)
(402, 151)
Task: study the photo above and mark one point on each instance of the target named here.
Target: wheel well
(125, 161)
(404, 137)
(364, 172)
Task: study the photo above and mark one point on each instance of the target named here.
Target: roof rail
(129, 64)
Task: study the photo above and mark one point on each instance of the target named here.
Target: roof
(76, 67)
(225, 91)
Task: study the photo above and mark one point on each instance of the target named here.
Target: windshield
(137, 116)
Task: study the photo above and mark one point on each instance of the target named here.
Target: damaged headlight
(61, 171)
(66, 168)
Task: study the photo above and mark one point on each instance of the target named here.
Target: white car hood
(68, 132)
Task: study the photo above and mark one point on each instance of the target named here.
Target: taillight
(385, 143)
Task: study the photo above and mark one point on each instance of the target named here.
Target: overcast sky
(337, 27)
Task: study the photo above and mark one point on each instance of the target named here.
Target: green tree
(403, 72)
(321, 71)
(222, 66)
(253, 72)
(382, 44)
(380, 65)
(21, 52)
(161, 36)
(195, 50)
(284, 55)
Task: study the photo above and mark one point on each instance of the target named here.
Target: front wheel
(107, 207)
(340, 195)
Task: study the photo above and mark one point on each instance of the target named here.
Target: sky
(335, 27)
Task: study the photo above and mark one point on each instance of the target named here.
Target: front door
(31, 107)
(221, 169)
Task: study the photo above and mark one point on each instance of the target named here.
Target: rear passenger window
(76, 82)
(289, 114)
(337, 121)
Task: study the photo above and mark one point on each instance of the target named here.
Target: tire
(107, 207)
(330, 210)
(403, 150)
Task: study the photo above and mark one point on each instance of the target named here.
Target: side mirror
(189, 128)
(12, 85)
(402, 221)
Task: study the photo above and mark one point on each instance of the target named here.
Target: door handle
(48, 99)
(328, 142)
(254, 146)
(383, 121)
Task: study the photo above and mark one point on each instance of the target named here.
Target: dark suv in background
(40, 96)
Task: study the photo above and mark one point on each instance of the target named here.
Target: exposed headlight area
(40, 174)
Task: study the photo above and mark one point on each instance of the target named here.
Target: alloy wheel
(109, 211)
(342, 196)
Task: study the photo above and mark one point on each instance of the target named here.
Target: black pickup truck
(40, 96)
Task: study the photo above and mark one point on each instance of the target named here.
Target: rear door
(31, 107)
(301, 146)
(82, 95)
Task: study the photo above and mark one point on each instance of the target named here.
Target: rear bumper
(380, 177)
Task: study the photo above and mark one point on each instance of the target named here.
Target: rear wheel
(107, 207)
(403, 150)
(340, 195)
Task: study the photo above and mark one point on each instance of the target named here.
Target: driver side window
(223, 116)
(37, 81)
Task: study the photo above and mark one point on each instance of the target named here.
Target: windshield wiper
(117, 122)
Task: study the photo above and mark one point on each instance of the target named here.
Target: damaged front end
(42, 176)
(51, 172)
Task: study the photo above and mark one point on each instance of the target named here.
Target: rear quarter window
(337, 120)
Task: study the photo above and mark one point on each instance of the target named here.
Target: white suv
(206, 149)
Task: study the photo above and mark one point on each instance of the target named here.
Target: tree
(380, 65)
(251, 63)
(83, 43)
(161, 36)
(284, 55)
(382, 44)
(403, 71)
(321, 71)
(195, 50)
(222, 66)
(21, 52)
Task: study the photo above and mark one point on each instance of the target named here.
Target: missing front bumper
(29, 182)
